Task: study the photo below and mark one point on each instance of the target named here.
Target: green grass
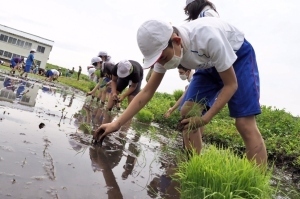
(145, 116)
(217, 174)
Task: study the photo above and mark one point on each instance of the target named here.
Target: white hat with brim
(102, 53)
(124, 67)
(153, 37)
(96, 60)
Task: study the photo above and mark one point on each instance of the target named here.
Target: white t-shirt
(55, 72)
(208, 42)
(208, 12)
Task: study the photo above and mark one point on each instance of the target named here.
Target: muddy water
(58, 160)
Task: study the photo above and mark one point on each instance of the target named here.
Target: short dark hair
(183, 68)
(194, 9)
(170, 42)
(107, 69)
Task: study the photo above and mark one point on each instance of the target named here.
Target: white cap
(91, 71)
(33, 50)
(153, 37)
(96, 60)
(124, 67)
(102, 53)
(189, 1)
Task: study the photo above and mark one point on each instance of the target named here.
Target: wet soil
(46, 150)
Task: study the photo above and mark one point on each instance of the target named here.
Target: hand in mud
(104, 130)
(193, 123)
(115, 96)
(88, 93)
(121, 98)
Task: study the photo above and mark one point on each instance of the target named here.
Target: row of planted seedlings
(222, 171)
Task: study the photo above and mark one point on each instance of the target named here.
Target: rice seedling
(217, 174)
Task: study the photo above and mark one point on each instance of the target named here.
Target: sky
(80, 29)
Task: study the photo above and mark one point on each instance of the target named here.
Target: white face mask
(174, 62)
(183, 77)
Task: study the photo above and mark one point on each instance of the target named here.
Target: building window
(12, 40)
(1, 52)
(7, 54)
(41, 49)
(3, 37)
(22, 57)
(15, 55)
(20, 43)
(28, 45)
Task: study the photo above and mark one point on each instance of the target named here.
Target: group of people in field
(28, 66)
(213, 55)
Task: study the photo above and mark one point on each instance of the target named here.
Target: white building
(19, 91)
(16, 43)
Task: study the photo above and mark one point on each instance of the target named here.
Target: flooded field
(58, 161)
(46, 151)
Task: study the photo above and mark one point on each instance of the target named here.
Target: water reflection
(16, 90)
(124, 146)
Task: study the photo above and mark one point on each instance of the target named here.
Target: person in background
(184, 74)
(195, 9)
(79, 72)
(92, 76)
(51, 75)
(29, 63)
(104, 84)
(105, 58)
(15, 63)
(96, 63)
(125, 73)
(72, 71)
(68, 73)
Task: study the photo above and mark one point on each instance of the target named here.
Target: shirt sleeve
(115, 70)
(159, 68)
(213, 44)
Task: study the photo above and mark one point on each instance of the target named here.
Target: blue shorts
(106, 80)
(206, 84)
(206, 105)
(27, 68)
(12, 64)
(49, 73)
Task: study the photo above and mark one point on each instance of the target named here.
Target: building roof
(26, 35)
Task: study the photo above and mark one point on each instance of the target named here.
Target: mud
(46, 148)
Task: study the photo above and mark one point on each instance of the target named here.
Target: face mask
(174, 62)
(183, 77)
